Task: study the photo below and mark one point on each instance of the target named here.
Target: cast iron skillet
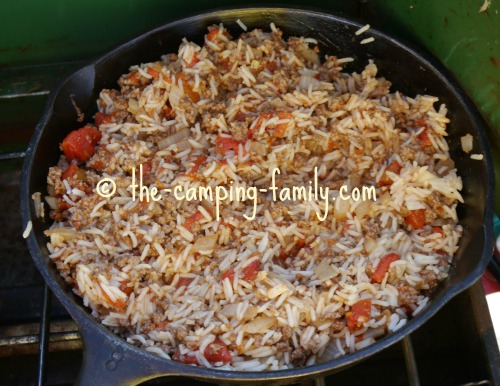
(110, 360)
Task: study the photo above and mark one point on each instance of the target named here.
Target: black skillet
(109, 360)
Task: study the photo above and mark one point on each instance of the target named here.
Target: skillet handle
(110, 363)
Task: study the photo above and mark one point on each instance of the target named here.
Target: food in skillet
(274, 291)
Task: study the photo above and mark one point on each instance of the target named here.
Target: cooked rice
(27, 230)
(367, 40)
(277, 291)
(362, 29)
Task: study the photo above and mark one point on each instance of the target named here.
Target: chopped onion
(184, 145)
(467, 144)
(60, 235)
(370, 244)
(257, 147)
(251, 312)
(133, 107)
(174, 138)
(306, 81)
(310, 55)
(341, 208)
(205, 245)
(175, 95)
(259, 325)
(52, 202)
(362, 209)
(276, 291)
(324, 271)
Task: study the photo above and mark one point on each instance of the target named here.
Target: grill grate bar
(55, 337)
(44, 334)
(410, 361)
(14, 155)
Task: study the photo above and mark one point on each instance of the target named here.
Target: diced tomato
(193, 219)
(228, 274)
(240, 116)
(125, 288)
(280, 130)
(251, 271)
(188, 359)
(70, 171)
(359, 314)
(223, 145)
(394, 167)
(425, 140)
(146, 168)
(63, 205)
(421, 122)
(184, 281)
(271, 66)
(212, 35)
(134, 78)
(293, 251)
(383, 267)
(197, 162)
(151, 71)
(102, 119)
(416, 218)
(193, 61)
(188, 90)
(260, 121)
(80, 144)
(332, 144)
(118, 303)
(438, 230)
(217, 351)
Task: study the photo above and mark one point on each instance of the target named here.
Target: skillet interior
(410, 72)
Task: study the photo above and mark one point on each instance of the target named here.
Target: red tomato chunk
(188, 359)
(223, 145)
(80, 144)
(416, 218)
(184, 281)
(394, 167)
(217, 351)
(359, 314)
(251, 271)
(383, 267)
(193, 219)
(102, 119)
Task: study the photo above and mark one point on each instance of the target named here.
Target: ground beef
(239, 130)
(429, 278)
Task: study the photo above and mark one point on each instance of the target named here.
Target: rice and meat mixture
(276, 291)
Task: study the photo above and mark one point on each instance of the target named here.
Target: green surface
(464, 39)
(64, 30)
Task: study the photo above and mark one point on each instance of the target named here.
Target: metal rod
(44, 334)
(23, 340)
(411, 363)
(320, 381)
(14, 155)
